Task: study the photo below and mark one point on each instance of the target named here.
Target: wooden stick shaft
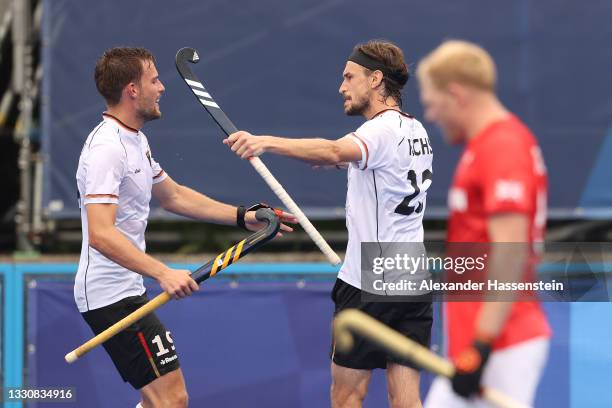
(203, 273)
(353, 320)
(117, 327)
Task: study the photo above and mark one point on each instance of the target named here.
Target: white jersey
(115, 167)
(385, 200)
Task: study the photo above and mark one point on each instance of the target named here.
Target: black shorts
(130, 349)
(412, 319)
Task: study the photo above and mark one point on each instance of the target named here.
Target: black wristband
(240, 212)
(484, 348)
(467, 379)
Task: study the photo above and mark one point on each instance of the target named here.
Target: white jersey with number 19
(115, 167)
(387, 188)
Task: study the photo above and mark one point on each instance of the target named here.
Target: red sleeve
(507, 177)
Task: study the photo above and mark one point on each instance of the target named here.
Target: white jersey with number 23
(387, 188)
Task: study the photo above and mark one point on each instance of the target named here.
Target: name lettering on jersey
(419, 146)
(509, 190)
(457, 199)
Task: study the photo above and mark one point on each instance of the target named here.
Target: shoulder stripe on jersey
(121, 141)
(363, 149)
(159, 174)
(376, 196)
(95, 131)
(88, 145)
(101, 195)
(86, 270)
(377, 238)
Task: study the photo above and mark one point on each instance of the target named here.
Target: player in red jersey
(498, 195)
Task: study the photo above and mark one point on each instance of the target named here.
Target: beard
(149, 113)
(357, 107)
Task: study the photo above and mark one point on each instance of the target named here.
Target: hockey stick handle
(206, 271)
(354, 321)
(293, 208)
(186, 56)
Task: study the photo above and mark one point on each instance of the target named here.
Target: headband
(361, 58)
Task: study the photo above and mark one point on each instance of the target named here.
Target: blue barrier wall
(254, 336)
(264, 343)
(275, 68)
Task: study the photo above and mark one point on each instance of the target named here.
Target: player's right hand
(245, 144)
(469, 367)
(177, 283)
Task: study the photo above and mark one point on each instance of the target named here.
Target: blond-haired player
(498, 195)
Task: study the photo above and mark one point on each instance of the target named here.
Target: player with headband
(389, 160)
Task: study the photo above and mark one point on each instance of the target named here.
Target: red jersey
(500, 171)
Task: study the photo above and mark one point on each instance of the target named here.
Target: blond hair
(461, 62)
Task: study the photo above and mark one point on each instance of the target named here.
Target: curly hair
(393, 58)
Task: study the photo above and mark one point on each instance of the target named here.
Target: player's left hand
(253, 224)
(469, 366)
(245, 144)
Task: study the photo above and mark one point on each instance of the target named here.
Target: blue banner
(275, 68)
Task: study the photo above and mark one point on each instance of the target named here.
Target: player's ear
(131, 90)
(376, 79)
(457, 93)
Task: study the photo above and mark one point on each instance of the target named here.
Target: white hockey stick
(187, 55)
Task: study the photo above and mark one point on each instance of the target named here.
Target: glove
(469, 366)
(241, 212)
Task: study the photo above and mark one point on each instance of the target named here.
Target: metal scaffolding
(25, 78)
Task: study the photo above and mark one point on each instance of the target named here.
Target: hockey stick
(204, 272)
(187, 55)
(355, 321)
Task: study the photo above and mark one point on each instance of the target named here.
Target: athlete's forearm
(508, 233)
(117, 247)
(190, 203)
(313, 151)
(492, 318)
(507, 263)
